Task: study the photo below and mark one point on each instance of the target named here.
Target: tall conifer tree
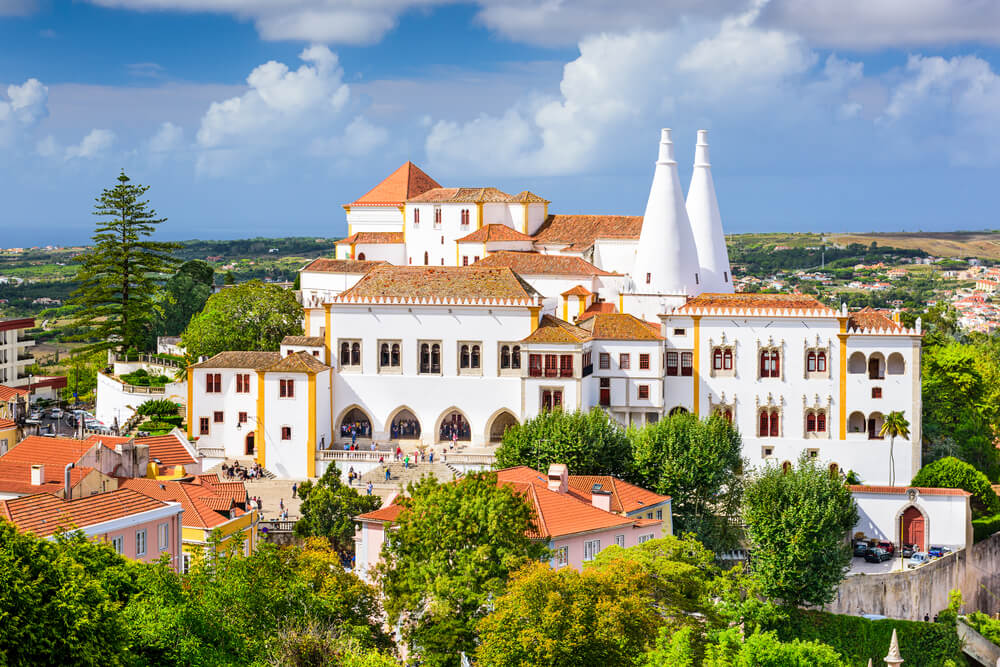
(118, 275)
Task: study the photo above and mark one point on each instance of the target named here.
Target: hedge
(985, 526)
(951, 473)
(858, 639)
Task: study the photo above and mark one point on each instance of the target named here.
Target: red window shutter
(821, 362)
(762, 427)
(727, 360)
(821, 422)
(774, 424)
(566, 365)
(775, 364)
(811, 422)
(765, 364)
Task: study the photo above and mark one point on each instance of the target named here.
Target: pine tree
(118, 275)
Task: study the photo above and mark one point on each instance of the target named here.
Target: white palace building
(453, 313)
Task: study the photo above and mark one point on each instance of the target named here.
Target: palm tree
(895, 424)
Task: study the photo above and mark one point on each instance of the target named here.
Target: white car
(918, 559)
(56, 413)
(35, 415)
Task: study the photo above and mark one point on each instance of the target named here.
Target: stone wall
(911, 594)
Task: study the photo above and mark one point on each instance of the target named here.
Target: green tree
(764, 649)
(115, 301)
(556, 618)
(951, 473)
(183, 296)
(453, 550)
(81, 374)
(698, 463)
(230, 279)
(159, 408)
(328, 510)
(590, 443)
(895, 425)
(796, 521)
(251, 316)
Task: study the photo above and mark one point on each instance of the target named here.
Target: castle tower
(666, 261)
(706, 223)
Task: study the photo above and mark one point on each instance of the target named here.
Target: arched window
(762, 427)
(774, 424)
(834, 470)
(895, 365)
(355, 354)
(475, 357)
(427, 258)
(770, 364)
(435, 358)
(394, 355)
(361, 256)
(383, 354)
(811, 361)
(345, 353)
(728, 414)
(504, 356)
(821, 361)
(727, 360)
(786, 467)
(515, 357)
(425, 358)
(821, 422)
(717, 359)
(464, 357)
(811, 422)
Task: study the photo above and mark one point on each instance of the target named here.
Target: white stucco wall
(113, 400)
(229, 435)
(947, 518)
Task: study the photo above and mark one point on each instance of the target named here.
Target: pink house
(575, 515)
(137, 526)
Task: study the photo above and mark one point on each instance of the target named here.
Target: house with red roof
(575, 516)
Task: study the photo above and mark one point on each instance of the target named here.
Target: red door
(913, 528)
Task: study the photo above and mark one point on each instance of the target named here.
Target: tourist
(369, 488)
(373, 445)
(281, 503)
(295, 488)
(406, 462)
(388, 475)
(432, 456)
(381, 459)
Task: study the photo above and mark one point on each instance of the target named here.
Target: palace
(449, 314)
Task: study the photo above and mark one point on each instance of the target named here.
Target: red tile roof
(298, 362)
(577, 290)
(554, 330)
(43, 514)
(399, 186)
(22, 323)
(580, 231)
(372, 237)
(387, 513)
(203, 507)
(329, 265)
(6, 424)
(527, 197)
(9, 393)
(49, 451)
(755, 301)
(869, 318)
(494, 232)
(462, 195)
(250, 360)
(625, 497)
(167, 449)
(534, 263)
(598, 307)
(446, 282)
(619, 326)
(15, 477)
(308, 341)
(901, 490)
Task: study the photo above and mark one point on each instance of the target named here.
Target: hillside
(983, 244)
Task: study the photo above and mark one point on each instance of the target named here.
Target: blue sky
(262, 118)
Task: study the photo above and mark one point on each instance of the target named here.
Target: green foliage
(159, 408)
(251, 316)
(795, 523)
(81, 374)
(858, 639)
(454, 549)
(564, 618)
(985, 625)
(895, 425)
(675, 649)
(114, 302)
(313, 646)
(590, 443)
(183, 296)
(950, 473)
(329, 507)
(985, 526)
(766, 650)
(141, 378)
(697, 463)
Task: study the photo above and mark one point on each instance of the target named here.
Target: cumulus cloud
(25, 106)
(168, 137)
(95, 144)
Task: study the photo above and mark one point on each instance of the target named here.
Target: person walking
(369, 488)
(406, 462)
(281, 503)
(295, 488)
(432, 456)
(388, 475)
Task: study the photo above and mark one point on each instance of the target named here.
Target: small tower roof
(406, 182)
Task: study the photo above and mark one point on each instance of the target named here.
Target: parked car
(35, 415)
(877, 555)
(909, 550)
(917, 559)
(56, 413)
(860, 549)
(887, 546)
(937, 552)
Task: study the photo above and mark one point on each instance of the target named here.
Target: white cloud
(168, 138)
(95, 144)
(17, 7)
(48, 147)
(27, 104)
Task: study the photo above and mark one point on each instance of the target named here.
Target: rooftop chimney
(706, 223)
(558, 478)
(67, 487)
(601, 499)
(37, 474)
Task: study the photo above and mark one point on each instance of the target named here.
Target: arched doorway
(404, 426)
(914, 531)
(355, 424)
(249, 449)
(875, 421)
(678, 410)
(876, 367)
(454, 426)
(499, 426)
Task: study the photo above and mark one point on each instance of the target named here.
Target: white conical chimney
(706, 223)
(666, 261)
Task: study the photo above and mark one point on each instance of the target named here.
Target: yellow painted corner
(190, 405)
(696, 374)
(259, 442)
(311, 438)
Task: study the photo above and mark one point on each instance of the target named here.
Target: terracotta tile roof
(108, 440)
(870, 318)
(755, 301)
(534, 263)
(625, 497)
(9, 393)
(49, 451)
(619, 326)
(578, 290)
(6, 424)
(460, 195)
(494, 232)
(399, 186)
(431, 282)
(554, 330)
(901, 490)
(372, 237)
(235, 490)
(168, 449)
(251, 360)
(15, 477)
(299, 362)
(329, 265)
(203, 508)
(598, 307)
(309, 341)
(387, 513)
(526, 197)
(43, 514)
(580, 231)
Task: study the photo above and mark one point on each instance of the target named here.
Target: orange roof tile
(619, 326)
(461, 195)
(167, 449)
(298, 362)
(329, 265)
(598, 307)
(494, 232)
(755, 301)
(199, 501)
(527, 197)
(6, 424)
(431, 282)
(399, 186)
(372, 237)
(901, 490)
(235, 490)
(577, 290)
(625, 497)
(870, 318)
(554, 330)
(43, 514)
(9, 393)
(388, 513)
(580, 231)
(15, 477)
(250, 360)
(48, 451)
(308, 341)
(534, 263)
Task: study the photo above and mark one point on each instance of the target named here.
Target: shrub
(950, 473)
(985, 526)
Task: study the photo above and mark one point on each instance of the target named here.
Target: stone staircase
(245, 462)
(403, 476)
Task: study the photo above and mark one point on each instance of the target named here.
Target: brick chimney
(37, 474)
(600, 499)
(558, 478)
